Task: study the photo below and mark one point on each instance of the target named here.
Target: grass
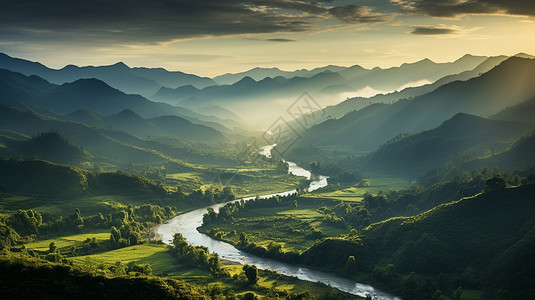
(270, 280)
(245, 181)
(163, 263)
(15, 202)
(356, 194)
(254, 184)
(183, 176)
(70, 240)
(188, 181)
(87, 205)
(157, 256)
(293, 227)
(288, 226)
(471, 294)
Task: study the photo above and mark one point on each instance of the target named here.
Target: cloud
(281, 40)
(149, 21)
(353, 14)
(432, 30)
(455, 8)
(156, 21)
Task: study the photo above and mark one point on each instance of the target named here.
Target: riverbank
(188, 223)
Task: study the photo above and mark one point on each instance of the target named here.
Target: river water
(187, 225)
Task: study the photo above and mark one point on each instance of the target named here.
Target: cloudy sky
(212, 37)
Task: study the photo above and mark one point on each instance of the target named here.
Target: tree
(243, 239)
(251, 272)
(496, 183)
(179, 243)
(52, 248)
(458, 293)
(250, 296)
(351, 264)
(115, 236)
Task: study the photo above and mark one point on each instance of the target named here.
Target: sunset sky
(212, 37)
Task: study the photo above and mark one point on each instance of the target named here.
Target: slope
(144, 81)
(96, 141)
(469, 235)
(89, 94)
(524, 112)
(51, 146)
(507, 84)
(356, 103)
(520, 154)
(462, 134)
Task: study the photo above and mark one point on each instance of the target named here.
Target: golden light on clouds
(218, 37)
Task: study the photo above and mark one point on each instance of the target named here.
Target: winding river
(187, 225)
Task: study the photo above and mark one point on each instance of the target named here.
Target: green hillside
(520, 154)
(463, 134)
(103, 143)
(51, 181)
(524, 112)
(52, 146)
(470, 241)
(31, 278)
(506, 85)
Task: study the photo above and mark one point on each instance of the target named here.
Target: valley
(269, 184)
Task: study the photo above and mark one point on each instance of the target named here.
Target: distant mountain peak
(424, 61)
(70, 67)
(463, 116)
(524, 55)
(127, 113)
(245, 80)
(84, 113)
(88, 83)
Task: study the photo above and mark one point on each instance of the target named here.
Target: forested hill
(41, 178)
(485, 241)
(32, 278)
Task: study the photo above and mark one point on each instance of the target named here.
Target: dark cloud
(356, 14)
(453, 8)
(280, 40)
(149, 20)
(432, 30)
(153, 21)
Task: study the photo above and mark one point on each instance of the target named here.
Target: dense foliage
(472, 242)
(30, 278)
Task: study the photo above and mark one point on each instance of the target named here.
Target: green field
(276, 282)
(155, 255)
(471, 294)
(356, 193)
(255, 184)
(163, 263)
(291, 227)
(244, 180)
(69, 240)
(87, 205)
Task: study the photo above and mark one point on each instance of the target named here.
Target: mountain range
(356, 103)
(480, 104)
(106, 146)
(461, 135)
(143, 81)
(270, 90)
(259, 87)
(508, 84)
(91, 94)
